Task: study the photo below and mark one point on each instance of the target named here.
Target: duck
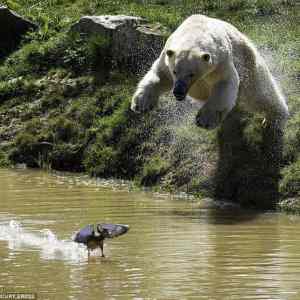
(93, 235)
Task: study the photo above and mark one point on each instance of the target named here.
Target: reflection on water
(175, 249)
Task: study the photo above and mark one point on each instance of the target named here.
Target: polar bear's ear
(170, 53)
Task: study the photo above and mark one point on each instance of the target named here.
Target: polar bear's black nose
(180, 90)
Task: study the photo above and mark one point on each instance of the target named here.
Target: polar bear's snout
(180, 90)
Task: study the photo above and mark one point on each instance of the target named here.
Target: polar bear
(209, 61)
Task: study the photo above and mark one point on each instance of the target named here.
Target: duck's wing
(84, 234)
(114, 230)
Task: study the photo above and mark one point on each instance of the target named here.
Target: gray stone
(133, 43)
(12, 27)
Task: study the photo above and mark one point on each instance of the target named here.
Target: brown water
(175, 249)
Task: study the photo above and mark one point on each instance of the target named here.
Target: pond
(176, 248)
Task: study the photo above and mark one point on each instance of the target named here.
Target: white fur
(233, 71)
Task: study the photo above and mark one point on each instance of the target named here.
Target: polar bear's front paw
(136, 103)
(141, 102)
(209, 119)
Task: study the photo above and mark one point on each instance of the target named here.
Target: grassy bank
(59, 110)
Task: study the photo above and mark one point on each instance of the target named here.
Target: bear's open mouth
(179, 97)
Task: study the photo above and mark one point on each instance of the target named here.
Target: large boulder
(12, 27)
(133, 43)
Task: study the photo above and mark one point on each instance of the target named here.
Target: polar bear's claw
(209, 120)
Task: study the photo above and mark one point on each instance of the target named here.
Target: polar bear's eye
(191, 75)
(174, 72)
(170, 53)
(206, 57)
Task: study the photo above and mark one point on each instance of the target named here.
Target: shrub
(290, 183)
(153, 170)
(64, 130)
(26, 150)
(66, 156)
(4, 161)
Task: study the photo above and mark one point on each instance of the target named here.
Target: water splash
(179, 141)
(45, 241)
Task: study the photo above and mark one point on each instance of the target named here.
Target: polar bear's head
(187, 66)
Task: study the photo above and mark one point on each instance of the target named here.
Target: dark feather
(114, 230)
(85, 234)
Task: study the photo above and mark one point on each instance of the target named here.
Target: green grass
(70, 115)
(4, 161)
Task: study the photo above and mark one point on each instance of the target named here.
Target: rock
(12, 27)
(133, 43)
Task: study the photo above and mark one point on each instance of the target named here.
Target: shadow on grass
(248, 173)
